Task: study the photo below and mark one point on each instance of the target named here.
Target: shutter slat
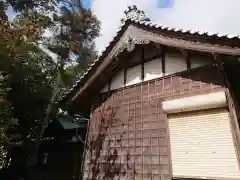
(202, 145)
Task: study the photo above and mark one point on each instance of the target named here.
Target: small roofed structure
(60, 153)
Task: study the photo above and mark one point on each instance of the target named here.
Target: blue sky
(165, 3)
(161, 3)
(10, 12)
(87, 3)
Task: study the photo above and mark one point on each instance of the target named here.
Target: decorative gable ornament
(136, 14)
(130, 43)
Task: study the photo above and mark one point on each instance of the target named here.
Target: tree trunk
(34, 157)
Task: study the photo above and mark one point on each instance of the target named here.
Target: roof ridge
(191, 31)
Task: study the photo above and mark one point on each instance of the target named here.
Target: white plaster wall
(117, 81)
(197, 61)
(133, 75)
(153, 69)
(174, 62)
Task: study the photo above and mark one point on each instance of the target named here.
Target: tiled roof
(147, 24)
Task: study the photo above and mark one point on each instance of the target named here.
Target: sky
(87, 3)
(204, 15)
(10, 12)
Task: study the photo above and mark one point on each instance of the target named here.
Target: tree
(73, 34)
(5, 115)
(33, 75)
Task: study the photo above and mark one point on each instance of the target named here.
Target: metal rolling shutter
(202, 145)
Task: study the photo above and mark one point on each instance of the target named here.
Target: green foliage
(30, 80)
(32, 24)
(30, 92)
(72, 40)
(5, 116)
(75, 31)
(29, 5)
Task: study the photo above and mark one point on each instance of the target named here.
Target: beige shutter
(202, 145)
